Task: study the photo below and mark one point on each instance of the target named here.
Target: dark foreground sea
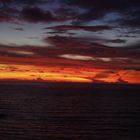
(54, 111)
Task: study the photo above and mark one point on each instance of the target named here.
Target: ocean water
(69, 113)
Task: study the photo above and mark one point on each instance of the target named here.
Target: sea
(65, 111)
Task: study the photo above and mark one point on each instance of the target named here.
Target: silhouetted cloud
(106, 4)
(63, 10)
(99, 8)
(111, 41)
(86, 28)
(18, 29)
(37, 15)
(84, 46)
(116, 41)
(8, 14)
(131, 18)
(5, 3)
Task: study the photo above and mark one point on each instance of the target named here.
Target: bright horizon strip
(42, 77)
(32, 73)
(57, 74)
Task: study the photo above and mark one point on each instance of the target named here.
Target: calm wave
(43, 113)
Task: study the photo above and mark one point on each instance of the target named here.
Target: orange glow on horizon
(67, 74)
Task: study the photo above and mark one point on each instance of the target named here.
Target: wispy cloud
(101, 35)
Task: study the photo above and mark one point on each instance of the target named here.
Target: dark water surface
(40, 112)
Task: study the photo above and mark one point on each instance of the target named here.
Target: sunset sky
(70, 40)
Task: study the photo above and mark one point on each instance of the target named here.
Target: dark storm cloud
(117, 41)
(131, 18)
(85, 28)
(37, 15)
(34, 55)
(61, 45)
(8, 14)
(18, 29)
(91, 14)
(94, 9)
(30, 11)
(12, 51)
(71, 45)
(30, 2)
(99, 8)
(134, 46)
(105, 4)
(81, 49)
(64, 10)
(5, 3)
(5, 17)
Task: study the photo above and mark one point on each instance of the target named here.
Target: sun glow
(66, 74)
(20, 72)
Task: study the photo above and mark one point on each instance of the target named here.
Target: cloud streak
(85, 28)
(100, 37)
(37, 15)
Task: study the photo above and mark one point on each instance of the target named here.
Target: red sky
(70, 41)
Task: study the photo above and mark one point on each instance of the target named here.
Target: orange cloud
(67, 74)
